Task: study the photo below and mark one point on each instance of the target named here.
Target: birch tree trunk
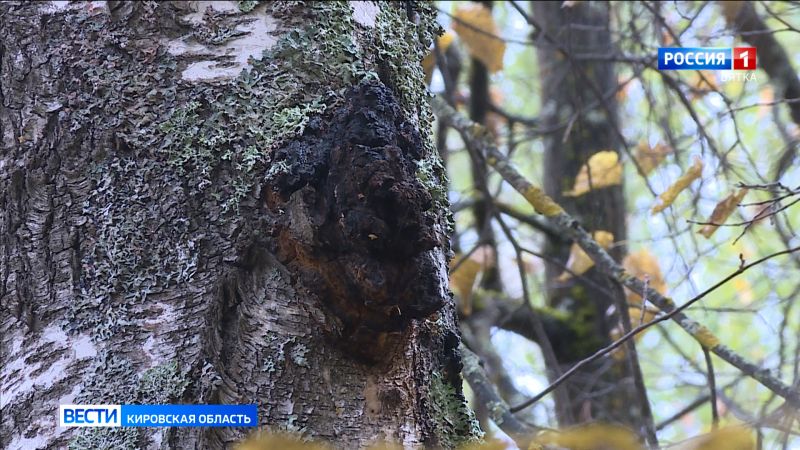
(223, 202)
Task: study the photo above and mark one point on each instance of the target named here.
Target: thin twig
(712, 389)
(484, 390)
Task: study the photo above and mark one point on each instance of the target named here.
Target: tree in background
(224, 202)
(666, 194)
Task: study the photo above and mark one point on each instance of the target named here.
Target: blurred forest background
(649, 162)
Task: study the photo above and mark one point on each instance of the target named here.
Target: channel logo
(707, 58)
(89, 415)
(158, 415)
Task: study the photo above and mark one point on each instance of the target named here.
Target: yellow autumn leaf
(579, 262)
(475, 26)
(637, 318)
(667, 197)
(703, 82)
(270, 441)
(765, 96)
(465, 277)
(603, 169)
(666, 39)
(641, 264)
(592, 437)
(648, 158)
(744, 292)
(624, 86)
(731, 9)
(429, 61)
(729, 438)
(721, 212)
(489, 444)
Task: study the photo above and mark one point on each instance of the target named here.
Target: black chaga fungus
(353, 222)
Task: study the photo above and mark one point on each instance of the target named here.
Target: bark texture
(223, 202)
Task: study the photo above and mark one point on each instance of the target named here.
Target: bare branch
(498, 408)
(572, 228)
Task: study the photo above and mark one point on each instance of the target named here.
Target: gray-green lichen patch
(111, 384)
(161, 384)
(246, 6)
(281, 349)
(455, 423)
(298, 354)
(398, 42)
(432, 175)
(270, 102)
(322, 52)
(131, 250)
(106, 438)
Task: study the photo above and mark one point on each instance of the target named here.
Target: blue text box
(695, 58)
(189, 415)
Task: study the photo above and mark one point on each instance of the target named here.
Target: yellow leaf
(603, 169)
(666, 39)
(637, 319)
(475, 26)
(648, 158)
(730, 438)
(721, 212)
(429, 61)
(667, 197)
(639, 264)
(385, 446)
(765, 97)
(743, 291)
(731, 9)
(489, 444)
(643, 264)
(636, 316)
(579, 262)
(269, 441)
(703, 82)
(592, 437)
(464, 278)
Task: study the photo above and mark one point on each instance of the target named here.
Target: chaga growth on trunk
(352, 219)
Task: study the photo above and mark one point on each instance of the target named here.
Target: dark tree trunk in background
(605, 390)
(237, 204)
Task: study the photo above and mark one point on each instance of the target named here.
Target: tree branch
(571, 228)
(486, 394)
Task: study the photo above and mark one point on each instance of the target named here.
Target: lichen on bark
(139, 200)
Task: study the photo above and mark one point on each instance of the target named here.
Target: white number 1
(744, 57)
